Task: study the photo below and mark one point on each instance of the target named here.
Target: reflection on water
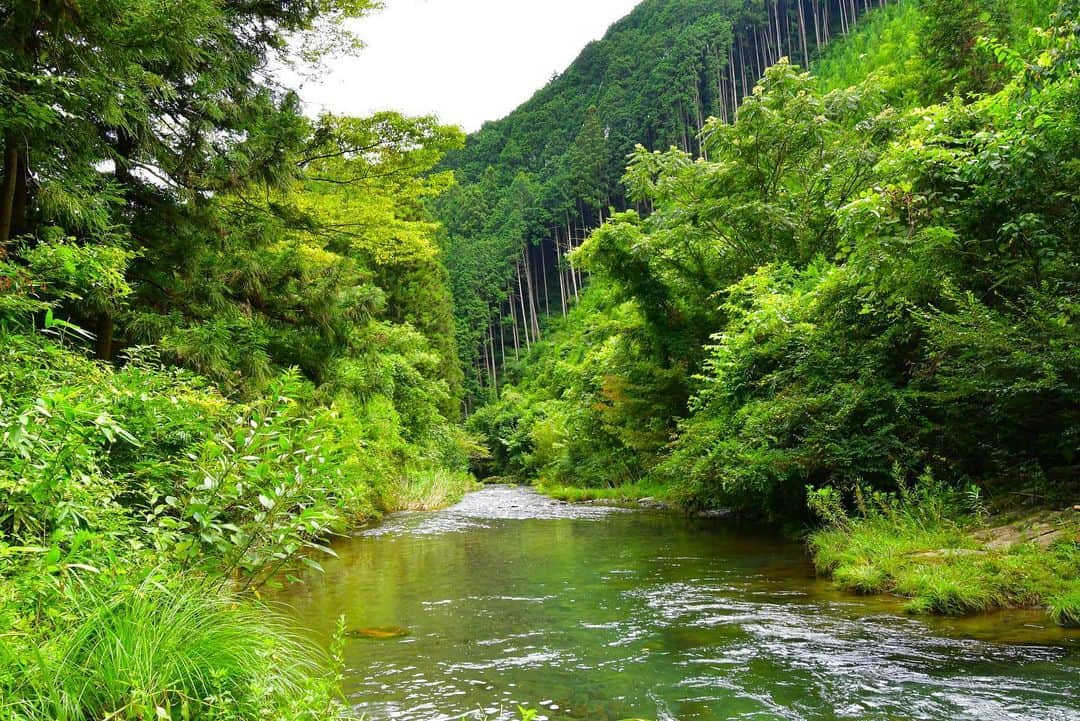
(599, 613)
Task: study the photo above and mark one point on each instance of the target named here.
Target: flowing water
(585, 612)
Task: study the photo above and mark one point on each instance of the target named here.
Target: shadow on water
(589, 612)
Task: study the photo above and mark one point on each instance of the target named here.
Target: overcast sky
(466, 61)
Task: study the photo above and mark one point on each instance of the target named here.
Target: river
(587, 612)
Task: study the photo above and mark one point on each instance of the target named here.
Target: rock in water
(378, 633)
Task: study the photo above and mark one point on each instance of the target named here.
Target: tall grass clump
(166, 650)
(1065, 606)
(629, 493)
(426, 489)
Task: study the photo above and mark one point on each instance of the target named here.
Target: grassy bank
(630, 493)
(948, 559)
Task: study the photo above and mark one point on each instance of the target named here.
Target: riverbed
(590, 612)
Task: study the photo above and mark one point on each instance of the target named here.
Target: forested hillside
(864, 285)
(532, 185)
(225, 333)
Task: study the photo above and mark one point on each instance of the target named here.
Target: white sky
(466, 61)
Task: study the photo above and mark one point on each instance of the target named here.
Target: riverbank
(959, 566)
(944, 561)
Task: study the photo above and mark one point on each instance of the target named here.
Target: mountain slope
(856, 287)
(535, 182)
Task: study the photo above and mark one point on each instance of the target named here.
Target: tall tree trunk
(719, 72)
(486, 372)
(759, 55)
(544, 275)
(573, 270)
(734, 90)
(103, 345)
(502, 337)
(742, 65)
(779, 40)
(524, 313)
(491, 357)
(8, 188)
(529, 287)
(20, 211)
(560, 272)
(513, 318)
(802, 34)
(815, 10)
(569, 250)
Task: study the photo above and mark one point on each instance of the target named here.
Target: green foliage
(886, 48)
(533, 184)
(629, 493)
(591, 405)
(951, 29)
(164, 649)
(270, 324)
(850, 294)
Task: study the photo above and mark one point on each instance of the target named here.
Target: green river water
(586, 612)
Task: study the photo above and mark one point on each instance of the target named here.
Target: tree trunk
(513, 318)
(544, 275)
(529, 286)
(734, 90)
(491, 358)
(560, 272)
(779, 40)
(742, 65)
(103, 346)
(524, 313)
(502, 337)
(802, 35)
(20, 217)
(7, 189)
(815, 10)
(569, 250)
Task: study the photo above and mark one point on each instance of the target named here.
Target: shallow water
(595, 613)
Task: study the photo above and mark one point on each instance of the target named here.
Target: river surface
(586, 612)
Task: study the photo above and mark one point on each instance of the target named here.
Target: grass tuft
(157, 650)
(1065, 606)
(951, 589)
(862, 577)
(426, 489)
